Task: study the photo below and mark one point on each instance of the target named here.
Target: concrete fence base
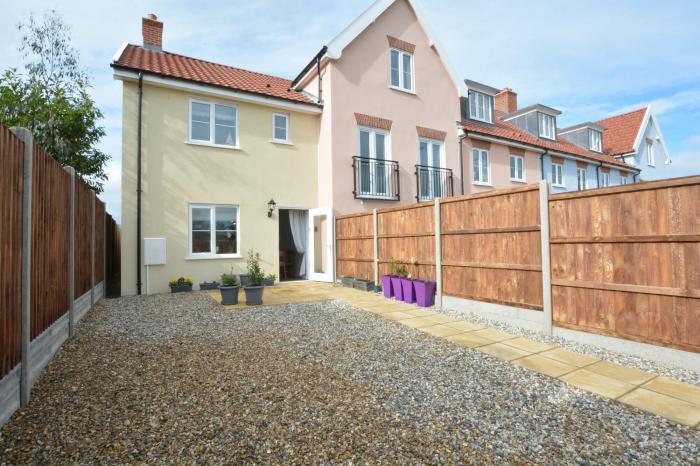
(525, 318)
(41, 351)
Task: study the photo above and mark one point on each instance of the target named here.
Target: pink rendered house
(391, 103)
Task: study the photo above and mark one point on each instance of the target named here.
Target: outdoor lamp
(271, 207)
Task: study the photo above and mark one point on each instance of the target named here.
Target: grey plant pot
(347, 282)
(229, 295)
(253, 295)
(208, 286)
(268, 282)
(245, 279)
(364, 285)
(180, 288)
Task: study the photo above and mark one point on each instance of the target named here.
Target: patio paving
(674, 400)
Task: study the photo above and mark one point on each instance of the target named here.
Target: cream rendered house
(216, 145)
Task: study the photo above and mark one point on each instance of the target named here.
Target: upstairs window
(280, 127)
(581, 178)
(623, 179)
(480, 165)
(557, 174)
(605, 180)
(480, 107)
(547, 126)
(650, 154)
(517, 172)
(595, 139)
(401, 70)
(213, 124)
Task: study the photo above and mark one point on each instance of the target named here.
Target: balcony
(433, 182)
(375, 179)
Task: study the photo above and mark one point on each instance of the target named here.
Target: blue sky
(589, 59)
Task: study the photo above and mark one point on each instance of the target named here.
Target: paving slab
(569, 357)
(596, 383)
(464, 326)
(440, 330)
(420, 312)
(528, 345)
(663, 405)
(398, 315)
(418, 322)
(621, 373)
(493, 335)
(546, 366)
(501, 351)
(683, 391)
(469, 340)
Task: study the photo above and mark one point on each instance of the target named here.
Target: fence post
(438, 254)
(92, 252)
(375, 226)
(71, 249)
(26, 136)
(546, 261)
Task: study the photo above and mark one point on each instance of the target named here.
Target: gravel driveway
(179, 379)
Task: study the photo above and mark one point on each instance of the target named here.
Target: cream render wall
(499, 161)
(176, 174)
(360, 84)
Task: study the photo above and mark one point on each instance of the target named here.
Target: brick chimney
(507, 101)
(152, 32)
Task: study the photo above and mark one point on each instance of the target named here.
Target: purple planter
(396, 288)
(425, 292)
(409, 296)
(386, 286)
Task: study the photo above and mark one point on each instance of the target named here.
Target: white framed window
(401, 70)
(432, 182)
(214, 231)
(547, 126)
(624, 179)
(480, 107)
(280, 127)
(557, 174)
(604, 180)
(480, 166)
(650, 154)
(213, 124)
(595, 140)
(373, 171)
(581, 178)
(517, 169)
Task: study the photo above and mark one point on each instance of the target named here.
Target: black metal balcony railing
(433, 182)
(375, 179)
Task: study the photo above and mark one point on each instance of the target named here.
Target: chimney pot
(152, 31)
(507, 101)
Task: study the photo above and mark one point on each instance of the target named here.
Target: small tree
(51, 99)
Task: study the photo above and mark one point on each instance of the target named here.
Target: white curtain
(298, 224)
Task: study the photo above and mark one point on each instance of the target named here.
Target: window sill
(559, 185)
(401, 89)
(482, 183)
(515, 180)
(473, 118)
(216, 146)
(279, 141)
(192, 257)
(652, 165)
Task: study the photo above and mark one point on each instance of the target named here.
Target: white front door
(321, 245)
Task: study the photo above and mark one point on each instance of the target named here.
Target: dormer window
(480, 107)
(401, 70)
(595, 140)
(547, 126)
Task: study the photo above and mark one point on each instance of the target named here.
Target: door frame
(328, 275)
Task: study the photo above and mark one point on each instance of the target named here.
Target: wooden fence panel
(12, 162)
(354, 245)
(626, 262)
(99, 241)
(83, 237)
(491, 247)
(407, 234)
(50, 242)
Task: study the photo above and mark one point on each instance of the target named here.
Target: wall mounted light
(271, 205)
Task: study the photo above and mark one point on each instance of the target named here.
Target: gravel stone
(180, 379)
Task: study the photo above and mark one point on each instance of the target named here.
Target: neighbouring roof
(504, 130)
(588, 124)
(172, 65)
(479, 87)
(621, 131)
(531, 108)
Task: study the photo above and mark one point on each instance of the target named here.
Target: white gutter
(216, 91)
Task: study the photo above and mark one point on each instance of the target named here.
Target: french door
(321, 245)
(374, 171)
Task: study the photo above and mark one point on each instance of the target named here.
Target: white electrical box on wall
(154, 251)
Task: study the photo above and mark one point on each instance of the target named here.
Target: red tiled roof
(178, 66)
(621, 131)
(504, 130)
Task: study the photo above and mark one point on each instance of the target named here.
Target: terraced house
(218, 160)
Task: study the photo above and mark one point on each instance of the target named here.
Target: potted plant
(254, 290)
(397, 270)
(245, 279)
(386, 286)
(229, 289)
(409, 295)
(363, 284)
(208, 286)
(348, 281)
(269, 280)
(425, 292)
(180, 285)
